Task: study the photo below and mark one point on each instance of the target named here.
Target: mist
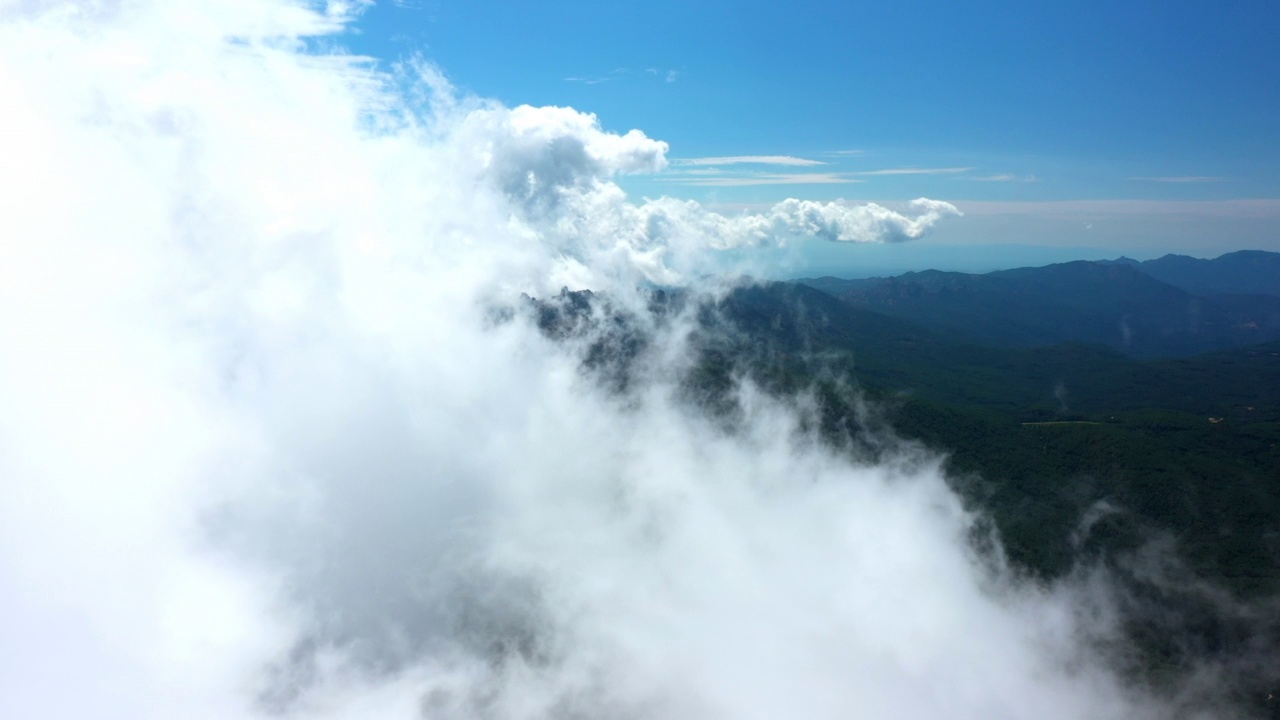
(281, 437)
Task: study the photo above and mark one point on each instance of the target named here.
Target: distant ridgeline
(1172, 306)
(1062, 421)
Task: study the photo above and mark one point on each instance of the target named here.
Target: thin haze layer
(266, 451)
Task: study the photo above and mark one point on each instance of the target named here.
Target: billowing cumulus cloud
(556, 166)
(267, 449)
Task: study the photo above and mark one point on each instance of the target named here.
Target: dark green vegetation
(1166, 470)
(1079, 456)
(1187, 446)
(1037, 436)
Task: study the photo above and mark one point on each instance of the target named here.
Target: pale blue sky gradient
(1014, 111)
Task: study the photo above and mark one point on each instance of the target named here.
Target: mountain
(1039, 438)
(1247, 272)
(1188, 446)
(794, 329)
(1073, 455)
(1116, 304)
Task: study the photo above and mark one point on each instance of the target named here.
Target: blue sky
(1048, 120)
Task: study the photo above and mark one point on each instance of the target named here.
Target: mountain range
(1249, 272)
(1078, 442)
(1172, 306)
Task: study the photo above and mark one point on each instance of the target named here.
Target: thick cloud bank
(265, 450)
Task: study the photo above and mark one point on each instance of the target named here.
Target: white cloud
(708, 172)
(839, 222)
(614, 74)
(1182, 179)
(1001, 177)
(719, 179)
(916, 171)
(543, 152)
(750, 160)
(681, 227)
(267, 454)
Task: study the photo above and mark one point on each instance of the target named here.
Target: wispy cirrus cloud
(616, 73)
(1002, 177)
(916, 171)
(748, 160)
(708, 172)
(747, 179)
(1181, 179)
(722, 171)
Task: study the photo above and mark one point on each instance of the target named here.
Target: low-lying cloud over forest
(279, 436)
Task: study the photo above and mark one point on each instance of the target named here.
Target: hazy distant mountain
(1118, 304)
(1244, 272)
(789, 325)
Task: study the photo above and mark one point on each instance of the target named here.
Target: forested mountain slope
(1076, 454)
